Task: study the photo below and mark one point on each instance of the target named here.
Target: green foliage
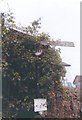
(33, 28)
(22, 69)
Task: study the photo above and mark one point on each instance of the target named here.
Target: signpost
(62, 43)
(58, 43)
(40, 104)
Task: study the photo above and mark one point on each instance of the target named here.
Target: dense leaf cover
(22, 70)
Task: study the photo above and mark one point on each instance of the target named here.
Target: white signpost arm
(58, 43)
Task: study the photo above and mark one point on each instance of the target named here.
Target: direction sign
(58, 43)
(62, 43)
(40, 104)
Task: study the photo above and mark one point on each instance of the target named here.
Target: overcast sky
(60, 18)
